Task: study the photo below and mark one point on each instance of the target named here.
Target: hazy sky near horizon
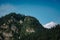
(44, 10)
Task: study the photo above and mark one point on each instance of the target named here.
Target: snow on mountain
(50, 25)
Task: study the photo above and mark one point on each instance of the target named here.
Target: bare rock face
(6, 34)
(21, 21)
(13, 28)
(30, 30)
(4, 26)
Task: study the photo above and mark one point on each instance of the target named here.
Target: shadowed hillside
(20, 27)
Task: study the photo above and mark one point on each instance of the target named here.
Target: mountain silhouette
(15, 26)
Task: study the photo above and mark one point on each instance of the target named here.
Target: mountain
(17, 27)
(50, 25)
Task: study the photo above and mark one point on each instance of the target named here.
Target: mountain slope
(20, 27)
(16, 26)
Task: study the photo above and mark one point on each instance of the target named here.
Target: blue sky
(44, 10)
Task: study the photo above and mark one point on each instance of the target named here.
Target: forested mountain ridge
(20, 27)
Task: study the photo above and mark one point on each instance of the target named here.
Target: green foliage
(30, 23)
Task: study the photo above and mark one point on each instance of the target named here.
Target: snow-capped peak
(50, 25)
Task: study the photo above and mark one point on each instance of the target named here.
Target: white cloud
(6, 8)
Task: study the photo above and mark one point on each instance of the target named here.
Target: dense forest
(20, 27)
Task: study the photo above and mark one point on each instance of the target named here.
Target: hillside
(20, 27)
(15, 26)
